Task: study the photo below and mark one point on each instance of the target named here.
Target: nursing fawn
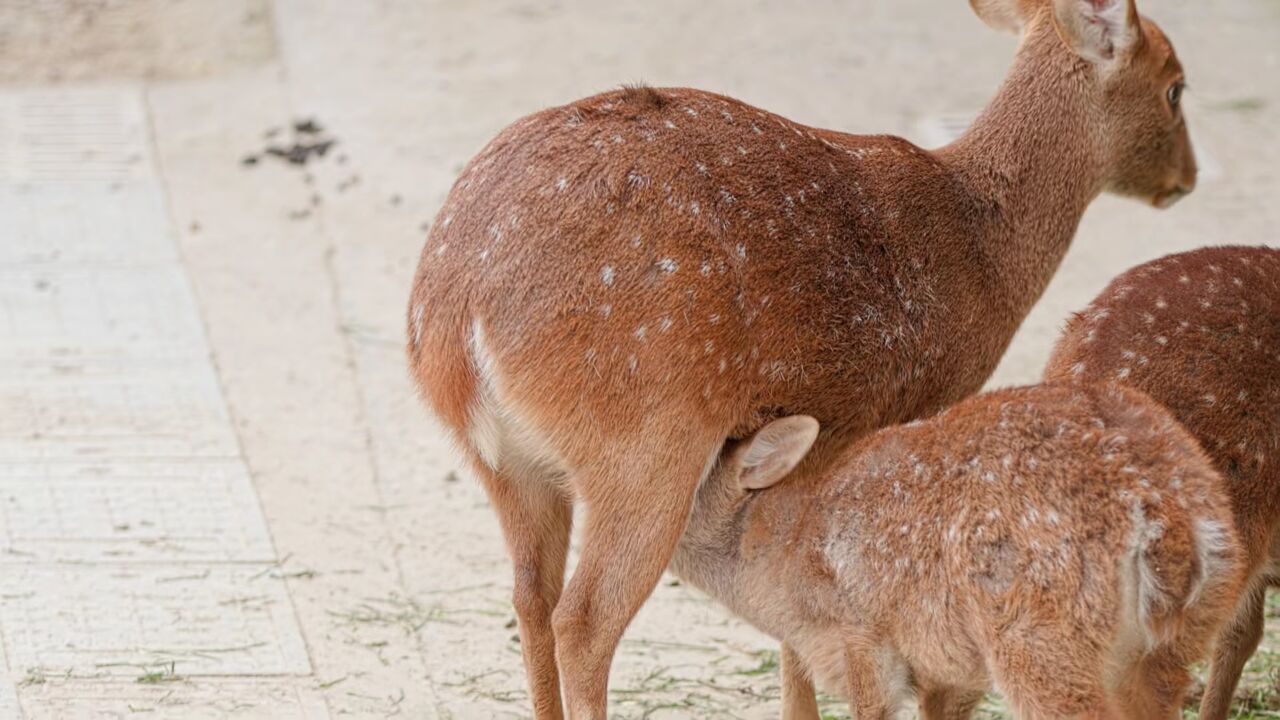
(1200, 333)
(615, 287)
(1069, 545)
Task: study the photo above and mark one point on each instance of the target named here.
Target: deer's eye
(1175, 95)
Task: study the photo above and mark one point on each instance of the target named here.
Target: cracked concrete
(219, 496)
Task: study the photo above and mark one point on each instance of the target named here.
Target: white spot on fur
(418, 312)
(606, 275)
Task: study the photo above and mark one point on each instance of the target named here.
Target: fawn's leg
(1235, 645)
(1059, 684)
(865, 682)
(536, 517)
(1162, 685)
(799, 699)
(948, 704)
(637, 504)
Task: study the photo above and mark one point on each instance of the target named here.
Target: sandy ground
(323, 555)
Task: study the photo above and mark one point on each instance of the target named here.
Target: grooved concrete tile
(153, 511)
(130, 534)
(117, 312)
(158, 411)
(83, 135)
(198, 700)
(124, 619)
(45, 223)
(8, 691)
(9, 700)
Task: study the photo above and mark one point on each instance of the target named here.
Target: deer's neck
(1032, 161)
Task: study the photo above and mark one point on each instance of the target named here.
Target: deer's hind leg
(536, 517)
(637, 503)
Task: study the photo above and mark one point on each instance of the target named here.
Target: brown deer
(1200, 333)
(615, 287)
(1068, 544)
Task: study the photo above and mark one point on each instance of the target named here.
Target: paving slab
(127, 620)
(131, 510)
(54, 699)
(133, 542)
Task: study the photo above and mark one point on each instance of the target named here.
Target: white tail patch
(1213, 550)
(1150, 593)
(498, 436)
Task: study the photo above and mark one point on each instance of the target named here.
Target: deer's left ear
(775, 450)
(1007, 15)
(1098, 30)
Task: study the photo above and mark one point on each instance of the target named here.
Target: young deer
(1200, 333)
(1070, 545)
(615, 287)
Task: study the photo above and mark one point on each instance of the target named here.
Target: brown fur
(1000, 542)
(616, 286)
(1200, 333)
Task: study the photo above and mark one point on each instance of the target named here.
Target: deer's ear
(1006, 15)
(1098, 30)
(775, 450)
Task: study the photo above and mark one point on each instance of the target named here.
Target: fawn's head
(1134, 84)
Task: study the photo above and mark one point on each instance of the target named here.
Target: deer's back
(648, 247)
(1200, 333)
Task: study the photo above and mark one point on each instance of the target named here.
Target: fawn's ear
(1098, 30)
(1007, 15)
(775, 450)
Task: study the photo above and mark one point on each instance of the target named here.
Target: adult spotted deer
(1200, 333)
(615, 287)
(1071, 545)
